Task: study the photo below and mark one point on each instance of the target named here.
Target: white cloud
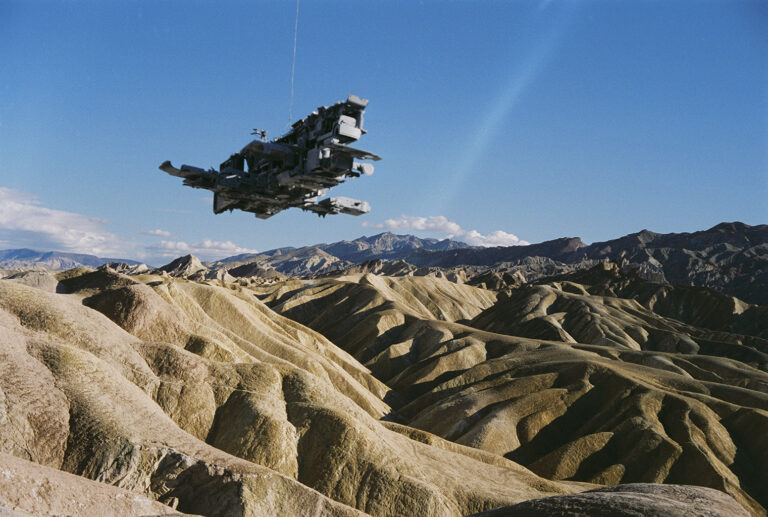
(206, 249)
(171, 247)
(24, 222)
(441, 224)
(157, 233)
(435, 223)
(497, 238)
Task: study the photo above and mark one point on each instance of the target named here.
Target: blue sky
(496, 120)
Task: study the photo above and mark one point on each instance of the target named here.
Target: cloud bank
(452, 230)
(26, 223)
(157, 233)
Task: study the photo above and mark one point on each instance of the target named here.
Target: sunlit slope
(30, 489)
(601, 415)
(593, 387)
(376, 319)
(80, 396)
(221, 406)
(568, 312)
(426, 297)
(697, 306)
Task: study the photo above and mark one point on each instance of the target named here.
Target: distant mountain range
(385, 246)
(729, 257)
(26, 258)
(324, 258)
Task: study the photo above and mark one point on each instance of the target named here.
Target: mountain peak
(183, 266)
(736, 226)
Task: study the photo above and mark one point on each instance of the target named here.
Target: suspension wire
(293, 65)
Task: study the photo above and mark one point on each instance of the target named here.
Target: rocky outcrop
(257, 270)
(183, 267)
(126, 269)
(631, 500)
(301, 262)
(28, 488)
(376, 267)
(730, 257)
(44, 280)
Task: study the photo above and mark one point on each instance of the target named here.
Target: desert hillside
(382, 388)
(618, 380)
(204, 399)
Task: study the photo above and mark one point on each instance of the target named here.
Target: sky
(499, 122)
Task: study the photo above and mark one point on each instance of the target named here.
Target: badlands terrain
(391, 376)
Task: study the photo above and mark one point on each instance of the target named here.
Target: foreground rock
(632, 500)
(27, 488)
(183, 267)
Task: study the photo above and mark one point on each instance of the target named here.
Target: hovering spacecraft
(295, 170)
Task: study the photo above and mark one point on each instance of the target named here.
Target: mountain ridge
(731, 257)
(26, 257)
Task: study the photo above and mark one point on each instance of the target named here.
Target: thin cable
(293, 65)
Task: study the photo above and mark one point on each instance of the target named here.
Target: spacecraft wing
(356, 153)
(186, 171)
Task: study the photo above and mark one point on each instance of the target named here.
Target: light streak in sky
(521, 78)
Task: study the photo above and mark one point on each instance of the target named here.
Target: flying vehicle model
(295, 170)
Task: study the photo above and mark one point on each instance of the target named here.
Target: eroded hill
(383, 395)
(576, 381)
(200, 396)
